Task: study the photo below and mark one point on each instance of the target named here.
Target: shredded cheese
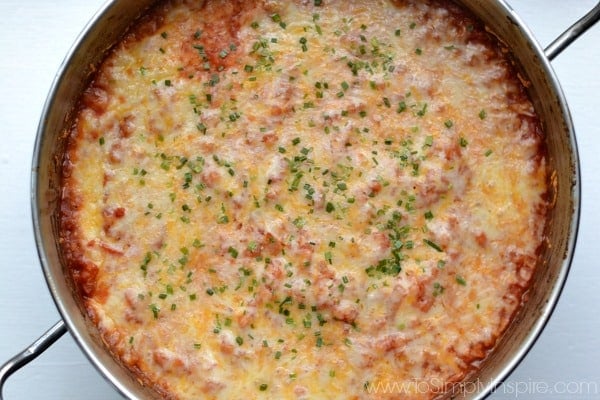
(298, 199)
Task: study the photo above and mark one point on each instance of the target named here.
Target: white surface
(34, 37)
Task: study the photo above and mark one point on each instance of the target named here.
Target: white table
(34, 37)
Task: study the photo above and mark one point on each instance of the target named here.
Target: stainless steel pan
(534, 62)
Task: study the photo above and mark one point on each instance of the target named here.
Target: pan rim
(52, 281)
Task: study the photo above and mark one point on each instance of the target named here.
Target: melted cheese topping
(289, 199)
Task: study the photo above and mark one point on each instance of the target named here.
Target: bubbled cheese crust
(298, 199)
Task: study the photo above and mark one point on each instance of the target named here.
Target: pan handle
(574, 31)
(31, 352)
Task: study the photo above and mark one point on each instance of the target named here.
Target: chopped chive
(303, 43)
(233, 252)
(460, 280)
(155, 310)
(433, 245)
